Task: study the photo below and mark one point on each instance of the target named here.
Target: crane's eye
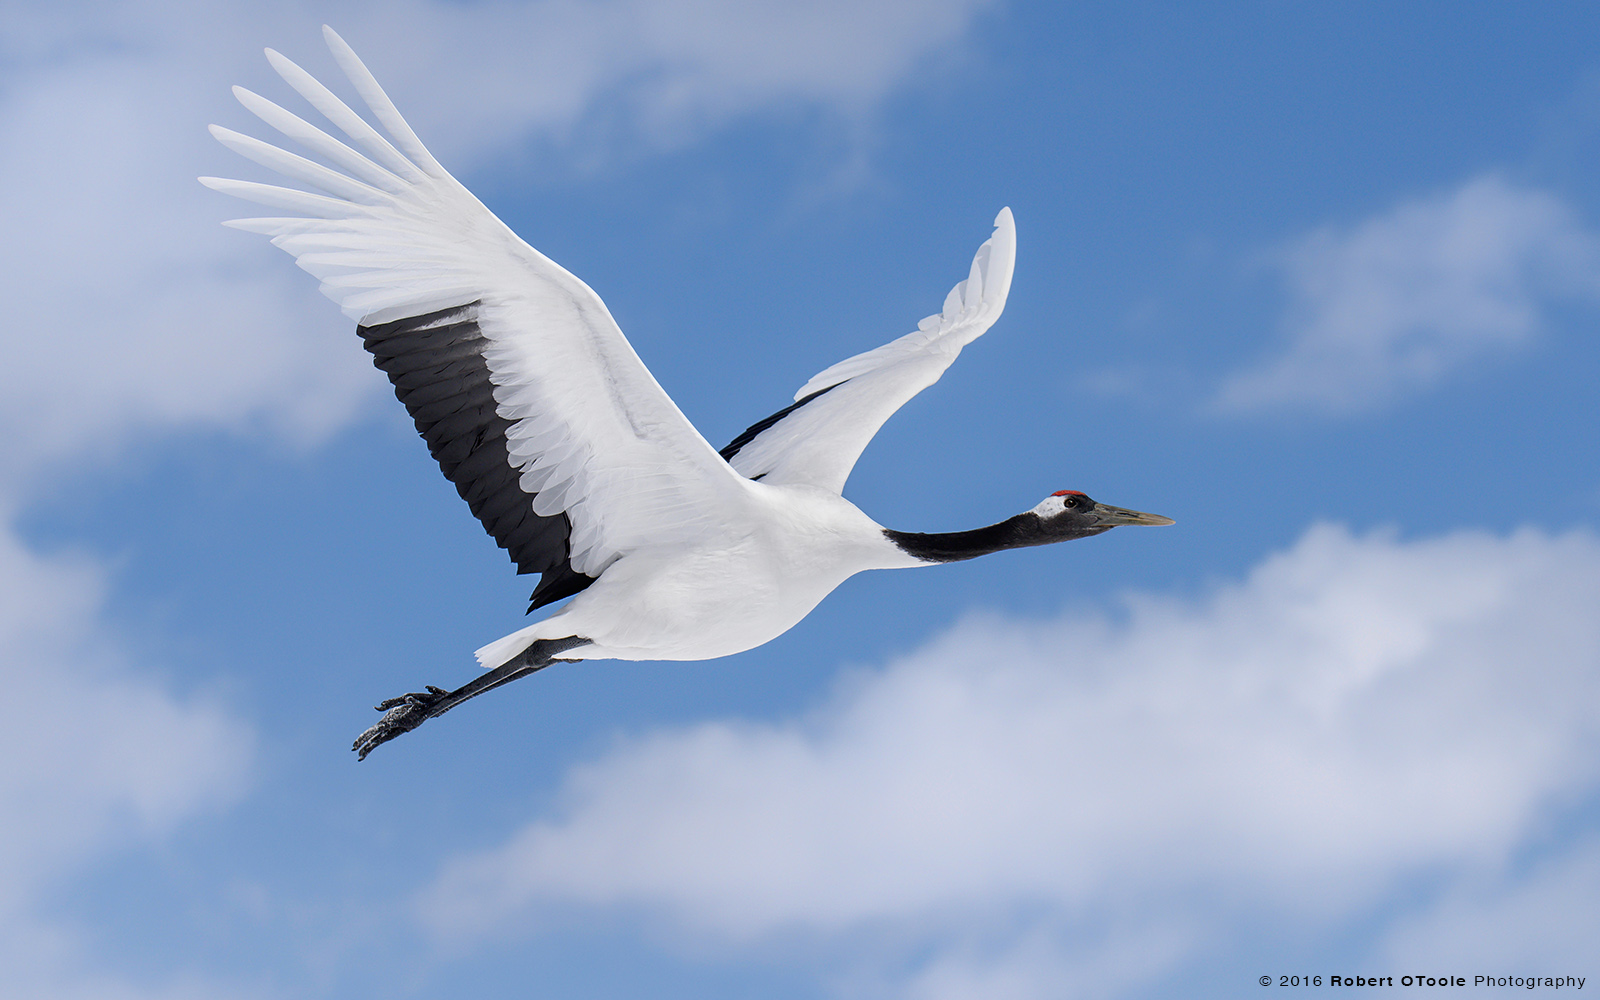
(1071, 502)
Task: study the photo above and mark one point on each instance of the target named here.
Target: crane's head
(1068, 514)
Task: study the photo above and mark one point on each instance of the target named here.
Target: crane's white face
(1062, 501)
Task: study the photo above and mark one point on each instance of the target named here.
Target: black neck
(1012, 533)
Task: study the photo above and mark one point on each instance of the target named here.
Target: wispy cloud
(1022, 799)
(662, 71)
(97, 757)
(1522, 923)
(1399, 301)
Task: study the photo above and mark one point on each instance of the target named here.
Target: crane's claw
(401, 715)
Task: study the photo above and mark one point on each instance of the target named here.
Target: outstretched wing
(528, 395)
(817, 440)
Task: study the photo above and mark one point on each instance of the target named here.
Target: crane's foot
(409, 711)
(401, 715)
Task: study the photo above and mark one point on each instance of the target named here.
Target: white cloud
(664, 70)
(130, 310)
(1514, 923)
(96, 757)
(1398, 301)
(1028, 800)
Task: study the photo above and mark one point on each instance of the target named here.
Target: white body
(773, 562)
(693, 556)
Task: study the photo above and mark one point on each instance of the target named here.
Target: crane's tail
(502, 650)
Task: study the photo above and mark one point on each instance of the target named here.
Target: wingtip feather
(378, 101)
(976, 301)
(1001, 260)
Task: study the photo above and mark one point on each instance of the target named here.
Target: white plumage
(539, 410)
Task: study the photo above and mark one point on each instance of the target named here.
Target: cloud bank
(1399, 301)
(1064, 808)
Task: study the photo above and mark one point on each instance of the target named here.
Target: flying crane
(564, 445)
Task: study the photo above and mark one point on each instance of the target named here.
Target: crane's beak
(1113, 516)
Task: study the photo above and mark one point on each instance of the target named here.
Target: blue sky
(1321, 284)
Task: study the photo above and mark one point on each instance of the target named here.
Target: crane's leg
(409, 711)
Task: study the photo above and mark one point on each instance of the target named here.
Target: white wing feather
(818, 443)
(395, 236)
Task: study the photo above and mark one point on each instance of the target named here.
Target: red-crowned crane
(561, 441)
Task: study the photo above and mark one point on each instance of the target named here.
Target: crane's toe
(401, 715)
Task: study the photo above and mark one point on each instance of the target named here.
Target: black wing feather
(435, 362)
(765, 424)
